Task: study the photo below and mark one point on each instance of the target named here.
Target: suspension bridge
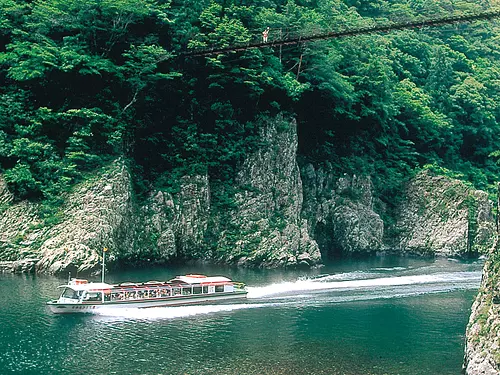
(393, 26)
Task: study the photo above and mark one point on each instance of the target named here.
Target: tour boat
(80, 296)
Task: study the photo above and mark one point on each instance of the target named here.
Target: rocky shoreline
(19, 266)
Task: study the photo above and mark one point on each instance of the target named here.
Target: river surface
(377, 316)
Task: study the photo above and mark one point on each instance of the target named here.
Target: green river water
(378, 316)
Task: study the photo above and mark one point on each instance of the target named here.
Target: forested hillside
(85, 81)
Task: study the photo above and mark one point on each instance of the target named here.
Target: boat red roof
(201, 279)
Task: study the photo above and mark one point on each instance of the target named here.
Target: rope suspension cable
(349, 32)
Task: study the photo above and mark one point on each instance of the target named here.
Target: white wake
(338, 288)
(324, 283)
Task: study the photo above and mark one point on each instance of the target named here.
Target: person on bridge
(265, 34)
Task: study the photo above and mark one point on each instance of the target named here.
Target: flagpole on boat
(103, 263)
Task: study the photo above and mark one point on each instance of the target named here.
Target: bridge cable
(346, 33)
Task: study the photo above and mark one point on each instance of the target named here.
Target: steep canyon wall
(280, 215)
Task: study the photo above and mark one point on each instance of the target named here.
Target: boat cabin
(82, 292)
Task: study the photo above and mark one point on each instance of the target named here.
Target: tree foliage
(85, 81)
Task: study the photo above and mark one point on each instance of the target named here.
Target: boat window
(197, 290)
(93, 296)
(70, 293)
(219, 288)
(163, 292)
(205, 289)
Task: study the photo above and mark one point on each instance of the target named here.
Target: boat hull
(95, 307)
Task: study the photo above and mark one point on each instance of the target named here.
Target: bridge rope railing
(346, 33)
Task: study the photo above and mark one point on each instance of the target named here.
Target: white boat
(80, 296)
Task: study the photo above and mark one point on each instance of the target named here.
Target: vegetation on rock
(84, 82)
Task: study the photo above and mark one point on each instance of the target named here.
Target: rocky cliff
(174, 226)
(443, 216)
(437, 216)
(259, 225)
(97, 214)
(275, 214)
(103, 212)
(340, 212)
(19, 227)
(266, 227)
(482, 347)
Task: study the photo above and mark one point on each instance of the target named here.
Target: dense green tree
(85, 81)
(74, 72)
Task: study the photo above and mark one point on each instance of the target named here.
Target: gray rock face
(482, 349)
(20, 227)
(102, 212)
(439, 216)
(175, 226)
(6, 197)
(340, 212)
(266, 228)
(192, 215)
(27, 265)
(159, 214)
(482, 339)
(442, 216)
(98, 214)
